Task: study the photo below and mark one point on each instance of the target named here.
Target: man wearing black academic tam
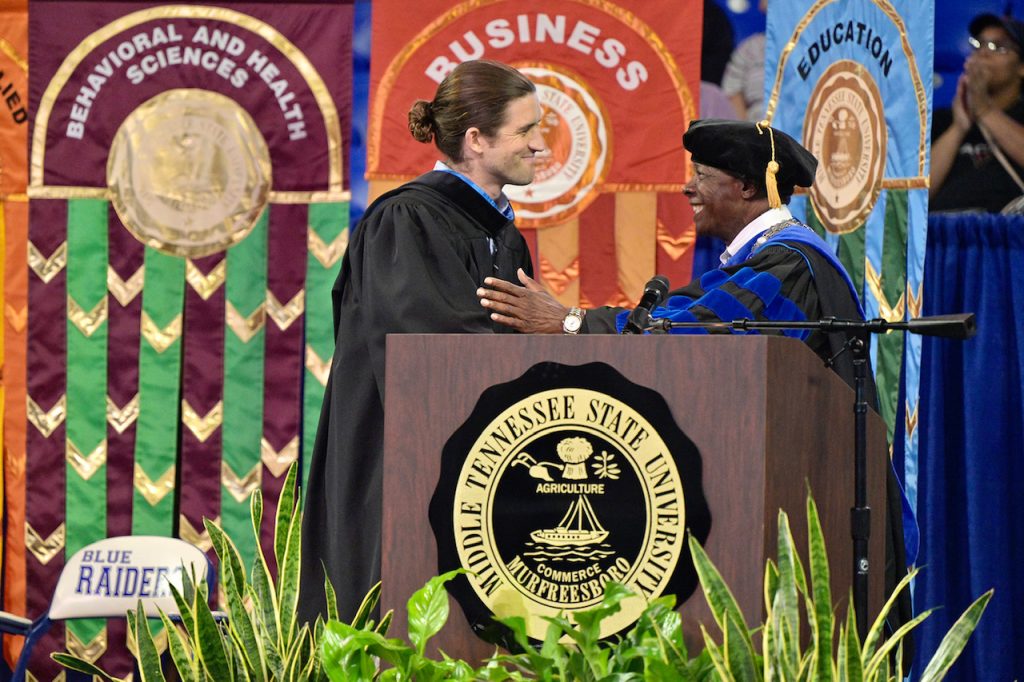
(774, 268)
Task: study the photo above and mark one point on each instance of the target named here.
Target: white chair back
(108, 578)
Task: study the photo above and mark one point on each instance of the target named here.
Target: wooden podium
(766, 416)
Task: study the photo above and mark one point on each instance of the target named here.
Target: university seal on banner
(845, 129)
(559, 482)
(575, 128)
(189, 172)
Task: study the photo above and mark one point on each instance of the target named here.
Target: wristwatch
(573, 321)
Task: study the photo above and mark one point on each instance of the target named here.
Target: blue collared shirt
(502, 205)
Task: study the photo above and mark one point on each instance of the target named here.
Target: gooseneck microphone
(640, 317)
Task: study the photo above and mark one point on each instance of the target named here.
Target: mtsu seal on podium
(560, 481)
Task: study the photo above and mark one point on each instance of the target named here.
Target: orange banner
(618, 85)
(14, 215)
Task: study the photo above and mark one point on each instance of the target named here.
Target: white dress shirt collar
(772, 216)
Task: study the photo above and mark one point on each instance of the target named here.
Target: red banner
(618, 85)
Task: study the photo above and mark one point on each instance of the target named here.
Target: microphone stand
(959, 326)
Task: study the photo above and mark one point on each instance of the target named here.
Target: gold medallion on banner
(578, 137)
(845, 129)
(189, 172)
(540, 508)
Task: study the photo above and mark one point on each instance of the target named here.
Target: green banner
(245, 313)
(156, 440)
(87, 332)
(328, 236)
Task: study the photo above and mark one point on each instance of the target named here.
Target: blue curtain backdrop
(971, 494)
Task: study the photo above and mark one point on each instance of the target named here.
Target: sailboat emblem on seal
(579, 526)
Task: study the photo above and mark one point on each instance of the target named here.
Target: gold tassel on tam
(774, 201)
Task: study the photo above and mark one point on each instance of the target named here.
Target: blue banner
(852, 81)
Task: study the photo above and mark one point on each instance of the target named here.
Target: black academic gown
(413, 266)
(811, 282)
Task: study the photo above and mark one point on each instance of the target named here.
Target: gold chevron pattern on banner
(240, 487)
(890, 313)
(278, 461)
(559, 280)
(46, 421)
(47, 268)
(60, 677)
(16, 318)
(911, 419)
(161, 339)
(206, 285)
(153, 491)
(285, 315)
(44, 549)
(191, 535)
(86, 465)
(327, 254)
(674, 245)
(125, 290)
(915, 304)
(245, 327)
(318, 367)
(87, 321)
(203, 426)
(122, 417)
(91, 651)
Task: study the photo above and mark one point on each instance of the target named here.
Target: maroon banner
(286, 306)
(44, 481)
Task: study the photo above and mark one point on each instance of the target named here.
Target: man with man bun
(413, 265)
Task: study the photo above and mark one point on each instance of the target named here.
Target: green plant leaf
(875, 632)
(81, 665)
(185, 663)
(343, 642)
(851, 666)
(722, 602)
(717, 659)
(739, 652)
(298, 654)
(242, 627)
(366, 607)
(820, 608)
(147, 656)
(533, 659)
(332, 597)
(771, 583)
(785, 618)
(264, 594)
(955, 640)
(285, 514)
(184, 599)
(428, 610)
(341, 659)
(385, 623)
(289, 557)
(880, 657)
(209, 644)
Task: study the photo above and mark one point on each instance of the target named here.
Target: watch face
(572, 323)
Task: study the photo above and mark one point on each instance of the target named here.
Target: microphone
(959, 326)
(640, 317)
